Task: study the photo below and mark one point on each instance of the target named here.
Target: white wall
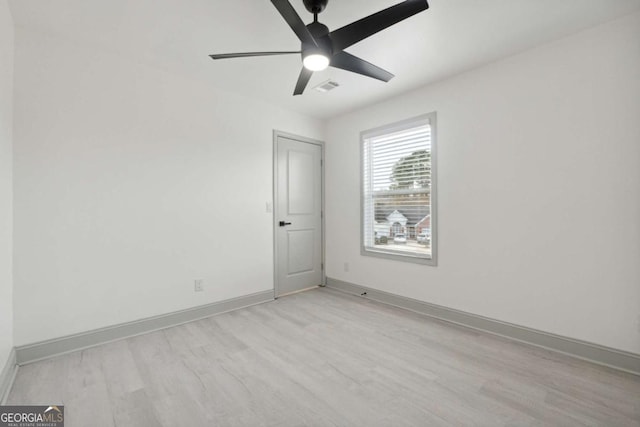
(130, 183)
(539, 189)
(6, 182)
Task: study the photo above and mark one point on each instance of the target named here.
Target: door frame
(276, 135)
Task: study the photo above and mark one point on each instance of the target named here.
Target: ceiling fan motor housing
(315, 6)
(320, 33)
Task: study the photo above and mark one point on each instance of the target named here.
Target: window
(398, 191)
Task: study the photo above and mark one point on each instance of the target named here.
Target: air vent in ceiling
(326, 86)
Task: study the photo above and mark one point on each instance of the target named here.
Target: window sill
(395, 256)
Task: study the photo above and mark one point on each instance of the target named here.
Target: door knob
(282, 223)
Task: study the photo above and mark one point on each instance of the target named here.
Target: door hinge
(320, 162)
(322, 266)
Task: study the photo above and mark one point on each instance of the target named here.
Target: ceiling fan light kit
(315, 61)
(321, 48)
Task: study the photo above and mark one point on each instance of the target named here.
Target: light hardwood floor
(323, 358)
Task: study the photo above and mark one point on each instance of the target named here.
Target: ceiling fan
(321, 48)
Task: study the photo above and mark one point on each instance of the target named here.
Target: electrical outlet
(198, 285)
(346, 267)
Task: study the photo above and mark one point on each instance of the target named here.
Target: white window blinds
(397, 183)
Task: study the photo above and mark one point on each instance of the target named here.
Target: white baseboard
(7, 375)
(54, 347)
(613, 358)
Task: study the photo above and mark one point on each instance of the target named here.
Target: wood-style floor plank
(323, 358)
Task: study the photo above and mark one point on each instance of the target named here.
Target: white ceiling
(177, 35)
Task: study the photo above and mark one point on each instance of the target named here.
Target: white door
(298, 214)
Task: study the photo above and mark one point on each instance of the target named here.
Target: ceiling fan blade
(351, 34)
(346, 61)
(248, 54)
(305, 75)
(293, 19)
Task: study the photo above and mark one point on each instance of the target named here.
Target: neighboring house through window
(398, 190)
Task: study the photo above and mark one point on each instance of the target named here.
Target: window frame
(431, 120)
